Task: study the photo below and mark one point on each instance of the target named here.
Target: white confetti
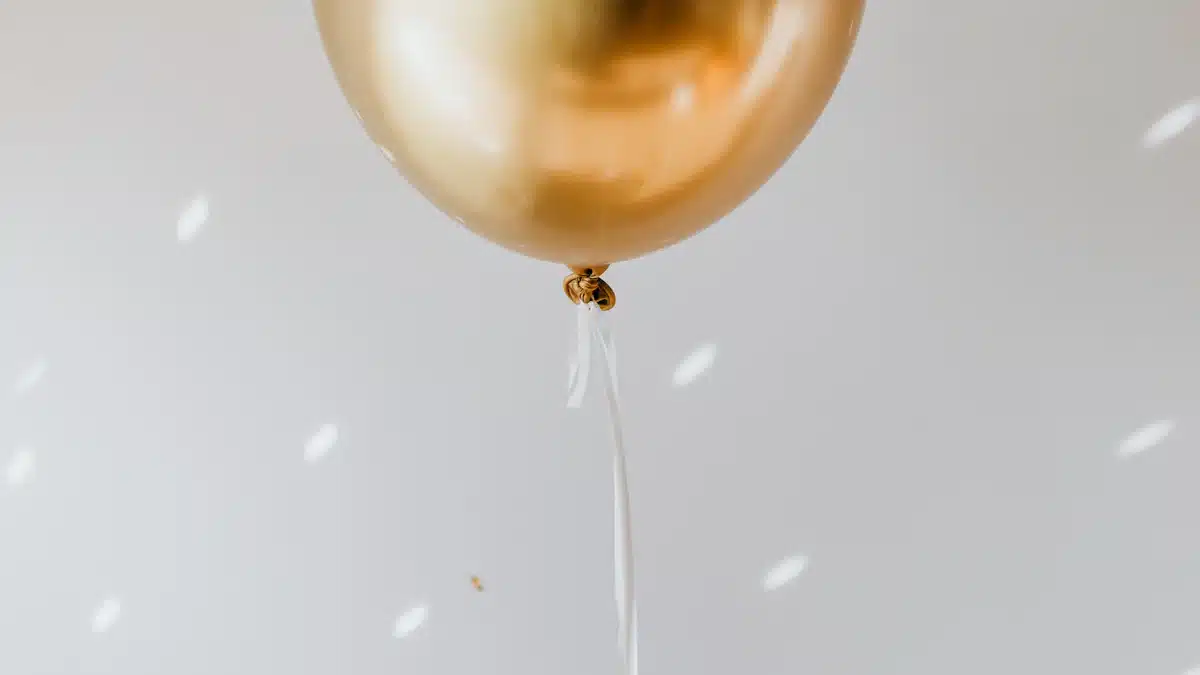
(31, 377)
(1172, 124)
(106, 615)
(784, 573)
(410, 621)
(21, 467)
(1145, 438)
(321, 443)
(192, 219)
(695, 365)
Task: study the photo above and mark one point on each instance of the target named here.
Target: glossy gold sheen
(588, 132)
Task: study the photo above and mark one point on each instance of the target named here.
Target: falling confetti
(1145, 438)
(1172, 124)
(106, 615)
(21, 467)
(31, 377)
(321, 443)
(784, 573)
(410, 621)
(192, 219)
(695, 365)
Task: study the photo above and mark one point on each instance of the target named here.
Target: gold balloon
(588, 132)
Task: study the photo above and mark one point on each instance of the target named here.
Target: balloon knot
(584, 286)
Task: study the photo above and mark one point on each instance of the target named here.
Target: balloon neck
(589, 270)
(585, 287)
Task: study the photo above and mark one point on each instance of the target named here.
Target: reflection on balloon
(588, 131)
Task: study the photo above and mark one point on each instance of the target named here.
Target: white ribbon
(581, 363)
(591, 324)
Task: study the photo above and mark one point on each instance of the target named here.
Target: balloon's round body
(588, 132)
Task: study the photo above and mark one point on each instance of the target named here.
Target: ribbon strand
(581, 362)
(593, 329)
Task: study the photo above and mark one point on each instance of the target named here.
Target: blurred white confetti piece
(192, 219)
(30, 377)
(695, 365)
(106, 615)
(321, 443)
(21, 467)
(410, 621)
(1172, 124)
(1145, 438)
(784, 573)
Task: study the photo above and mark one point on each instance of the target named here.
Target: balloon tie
(584, 286)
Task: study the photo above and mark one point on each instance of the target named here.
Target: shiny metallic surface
(588, 132)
